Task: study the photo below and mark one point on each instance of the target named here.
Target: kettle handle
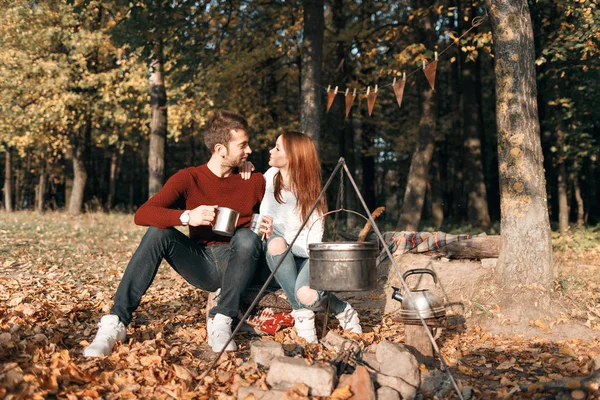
(421, 271)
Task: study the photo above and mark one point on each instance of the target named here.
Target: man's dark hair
(219, 127)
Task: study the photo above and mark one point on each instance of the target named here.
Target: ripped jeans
(293, 274)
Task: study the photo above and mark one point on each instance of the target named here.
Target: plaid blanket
(417, 242)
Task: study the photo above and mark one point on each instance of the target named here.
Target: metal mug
(225, 221)
(256, 224)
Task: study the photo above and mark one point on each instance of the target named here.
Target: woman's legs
(286, 276)
(316, 300)
(287, 273)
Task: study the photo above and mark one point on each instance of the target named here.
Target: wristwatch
(185, 218)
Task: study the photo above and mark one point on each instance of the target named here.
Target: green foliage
(66, 63)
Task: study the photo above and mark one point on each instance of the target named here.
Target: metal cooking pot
(225, 221)
(424, 302)
(343, 266)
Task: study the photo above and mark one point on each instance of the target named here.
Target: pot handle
(333, 212)
(421, 271)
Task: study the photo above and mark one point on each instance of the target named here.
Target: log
(418, 343)
(477, 248)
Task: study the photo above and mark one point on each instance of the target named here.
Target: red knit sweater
(196, 186)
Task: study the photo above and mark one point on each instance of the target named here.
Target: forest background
(104, 100)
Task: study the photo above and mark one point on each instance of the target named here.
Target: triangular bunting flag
(330, 97)
(399, 89)
(349, 101)
(429, 71)
(371, 96)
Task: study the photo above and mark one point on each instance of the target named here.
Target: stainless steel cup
(256, 224)
(225, 221)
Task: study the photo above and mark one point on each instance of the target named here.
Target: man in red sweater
(204, 259)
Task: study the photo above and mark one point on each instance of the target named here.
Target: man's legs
(245, 250)
(244, 255)
(191, 261)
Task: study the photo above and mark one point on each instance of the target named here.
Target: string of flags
(429, 69)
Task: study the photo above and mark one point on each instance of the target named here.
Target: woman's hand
(267, 226)
(246, 170)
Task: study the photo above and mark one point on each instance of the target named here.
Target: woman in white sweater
(293, 185)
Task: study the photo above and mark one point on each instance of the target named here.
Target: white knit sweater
(286, 217)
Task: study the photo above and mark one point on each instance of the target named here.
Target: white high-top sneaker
(349, 319)
(304, 322)
(110, 329)
(219, 332)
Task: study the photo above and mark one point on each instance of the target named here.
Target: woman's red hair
(304, 173)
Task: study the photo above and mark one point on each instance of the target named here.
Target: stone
(5, 338)
(395, 360)
(489, 262)
(285, 372)
(387, 393)
(336, 342)
(360, 382)
(12, 379)
(467, 392)
(259, 394)
(406, 390)
(436, 383)
(597, 363)
(264, 351)
(212, 301)
(371, 360)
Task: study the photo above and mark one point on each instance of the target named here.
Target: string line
(475, 22)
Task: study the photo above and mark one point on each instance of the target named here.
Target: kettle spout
(397, 295)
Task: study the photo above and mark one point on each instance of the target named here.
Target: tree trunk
(312, 53)
(41, 188)
(526, 248)
(563, 202)
(158, 125)
(435, 193)
(68, 158)
(112, 186)
(19, 178)
(578, 197)
(80, 174)
(337, 118)
(368, 168)
(8, 180)
(416, 185)
(477, 206)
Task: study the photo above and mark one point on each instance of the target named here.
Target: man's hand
(246, 170)
(202, 215)
(267, 226)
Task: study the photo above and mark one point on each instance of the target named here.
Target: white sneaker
(219, 332)
(110, 329)
(304, 322)
(349, 319)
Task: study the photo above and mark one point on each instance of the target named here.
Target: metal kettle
(425, 302)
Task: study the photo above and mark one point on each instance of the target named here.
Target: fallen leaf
(341, 393)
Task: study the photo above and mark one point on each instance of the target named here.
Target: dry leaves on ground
(58, 276)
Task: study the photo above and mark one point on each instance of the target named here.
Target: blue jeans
(230, 267)
(294, 273)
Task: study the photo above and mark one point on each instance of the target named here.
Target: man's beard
(235, 163)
